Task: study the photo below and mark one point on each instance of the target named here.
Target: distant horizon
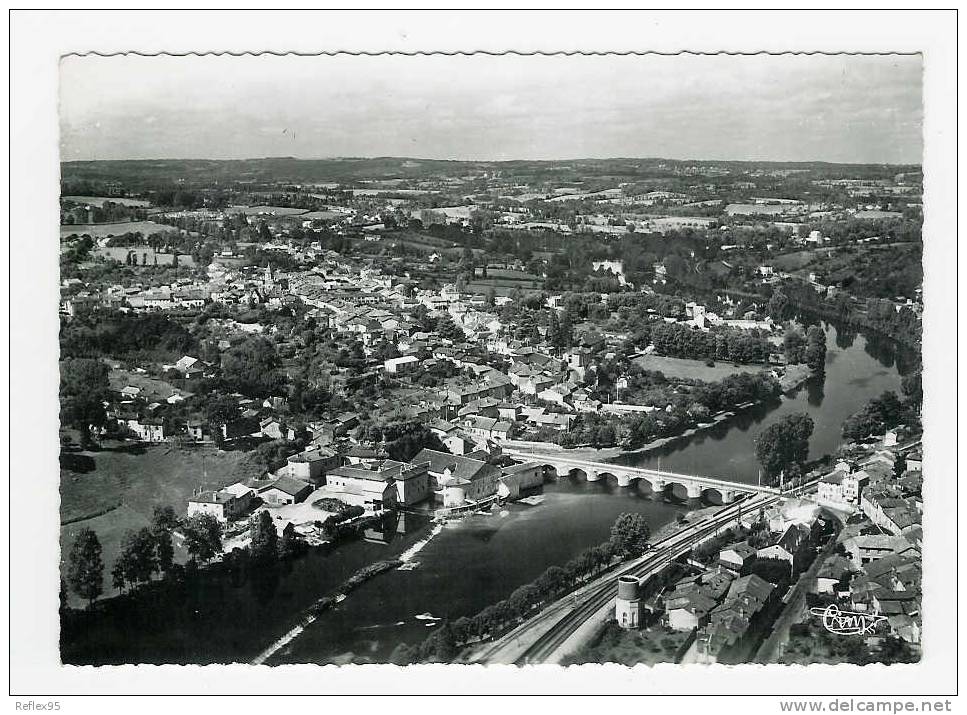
(844, 109)
(494, 161)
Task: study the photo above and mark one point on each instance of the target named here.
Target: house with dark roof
(285, 490)
(833, 571)
(459, 479)
(362, 455)
(731, 632)
(689, 602)
(735, 555)
(313, 464)
(518, 477)
(224, 504)
(791, 546)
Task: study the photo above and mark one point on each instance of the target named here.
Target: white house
(401, 365)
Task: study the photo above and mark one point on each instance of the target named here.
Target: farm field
(877, 215)
(104, 230)
(504, 281)
(100, 200)
(274, 210)
(508, 274)
(693, 369)
(118, 253)
(502, 290)
(795, 261)
(152, 388)
(392, 191)
(419, 240)
(759, 209)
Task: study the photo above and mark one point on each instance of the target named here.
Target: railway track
(659, 556)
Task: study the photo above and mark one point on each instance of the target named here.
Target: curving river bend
(476, 561)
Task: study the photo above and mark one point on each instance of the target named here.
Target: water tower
(627, 605)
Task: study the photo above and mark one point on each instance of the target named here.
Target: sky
(842, 108)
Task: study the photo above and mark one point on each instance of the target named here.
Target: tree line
(149, 551)
(885, 412)
(683, 341)
(628, 540)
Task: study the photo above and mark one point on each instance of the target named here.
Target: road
(539, 640)
(772, 647)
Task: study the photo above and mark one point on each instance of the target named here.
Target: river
(857, 369)
(472, 562)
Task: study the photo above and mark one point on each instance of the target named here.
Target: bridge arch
(554, 471)
(719, 495)
(611, 477)
(671, 488)
(681, 486)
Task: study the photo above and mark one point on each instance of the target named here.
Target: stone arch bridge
(695, 486)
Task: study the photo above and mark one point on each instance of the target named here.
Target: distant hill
(141, 174)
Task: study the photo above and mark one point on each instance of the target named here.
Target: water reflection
(845, 336)
(854, 375)
(816, 390)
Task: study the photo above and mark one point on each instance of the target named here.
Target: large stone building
(459, 480)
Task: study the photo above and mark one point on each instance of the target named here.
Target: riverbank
(606, 454)
(324, 604)
(795, 377)
(507, 647)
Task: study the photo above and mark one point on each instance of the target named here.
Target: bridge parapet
(694, 484)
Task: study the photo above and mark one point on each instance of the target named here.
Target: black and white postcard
(467, 359)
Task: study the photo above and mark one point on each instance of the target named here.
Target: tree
(137, 558)
(567, 329)
(203, 536)
(912, 388)
(899, 466)
(117, 577)
(629, 535)
(784, 443)
(164, 550)
(163, 518)
(83, 389)
(404, 440)
(794, 346)
(85, 570)
(440, 646)
(252, 367)
(776, 307)
(219, 411)
(404, 654)
(880, 414)
(448, 329)
(291, 543)
(815, 353)
(265, 538)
